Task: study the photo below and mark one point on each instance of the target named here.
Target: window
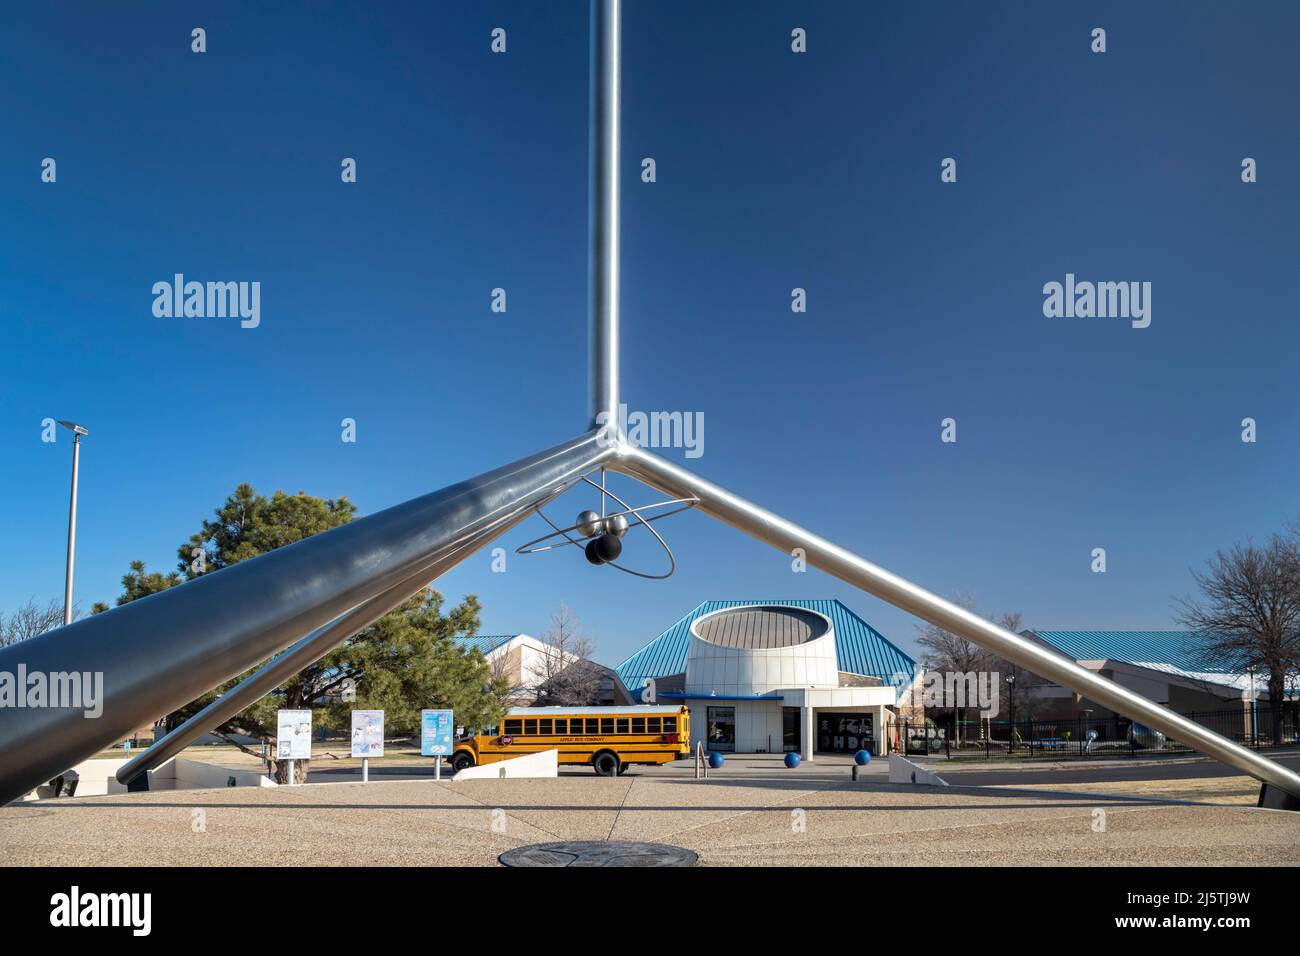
(654, 725)
(638, 725)
(620, 726)
(722, 728)
(530, 727)
(562, 725)
(593, 726)
(544, 725)
(670, 725)
(607, 725)
(514, 727)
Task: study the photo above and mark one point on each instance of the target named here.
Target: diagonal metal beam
(305, 653)
(785, 536)
(163, 651)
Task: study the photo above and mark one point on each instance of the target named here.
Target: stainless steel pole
(306, 652)
(820, 553)
(156, 654)
(603, 207)
(72, 531)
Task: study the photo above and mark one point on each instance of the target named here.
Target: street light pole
(77, 432)
(1254, 720)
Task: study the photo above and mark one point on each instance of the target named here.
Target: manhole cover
(598, 853)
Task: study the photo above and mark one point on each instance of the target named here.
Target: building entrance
(791, 729)
(845, 733)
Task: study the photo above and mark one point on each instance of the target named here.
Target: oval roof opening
(763, 626)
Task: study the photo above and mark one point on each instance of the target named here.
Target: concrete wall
(543, 764)
(902, 770)
(98, 776)
(182, 774)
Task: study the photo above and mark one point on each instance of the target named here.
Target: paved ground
(1176, 778)
(754, 811)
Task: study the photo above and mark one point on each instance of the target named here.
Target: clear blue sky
(775, 170)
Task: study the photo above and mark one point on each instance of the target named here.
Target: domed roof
(761, 626)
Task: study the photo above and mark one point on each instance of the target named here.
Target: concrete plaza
(753, 811)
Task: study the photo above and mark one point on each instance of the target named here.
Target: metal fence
(942, 734)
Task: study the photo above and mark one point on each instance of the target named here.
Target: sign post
(292, 737)
(367, 738)
(436, 732)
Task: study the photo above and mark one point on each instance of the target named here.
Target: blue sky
(775, 170)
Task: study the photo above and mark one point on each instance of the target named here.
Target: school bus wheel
(606, 763)
(461, 760)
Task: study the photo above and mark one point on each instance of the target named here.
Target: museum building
(808, 676)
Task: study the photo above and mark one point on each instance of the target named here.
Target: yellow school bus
(608, 739)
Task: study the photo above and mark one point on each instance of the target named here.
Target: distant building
(520, 658)
(1171, 668)
(760, 676)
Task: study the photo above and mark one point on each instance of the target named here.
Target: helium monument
(294, 604)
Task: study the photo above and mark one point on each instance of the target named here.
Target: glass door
(722, 729)
(791, 729)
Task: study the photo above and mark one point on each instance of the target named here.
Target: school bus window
(562, 725)
(514, 728)
(670, 725)
(544, 725)
(530, 727)
(607, 725)
(638, 725)
(621, 726)
(593, 726)
(654, 725)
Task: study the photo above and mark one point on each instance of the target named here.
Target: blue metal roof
(487, 643)
(860, 648)
(1182, 649)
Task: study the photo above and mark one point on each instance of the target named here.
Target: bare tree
(1017, 684)
(29, 620)
(567, 676)
(1248, 613)
(954, 653)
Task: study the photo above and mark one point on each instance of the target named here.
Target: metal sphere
(589, 524)
(591, 553)
(608, 547)
(616, 525)
(1146, 738)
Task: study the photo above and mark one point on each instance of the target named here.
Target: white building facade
(767, 678)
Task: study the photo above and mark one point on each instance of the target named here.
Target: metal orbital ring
(628, 511)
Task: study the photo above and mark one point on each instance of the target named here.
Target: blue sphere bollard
(862, 758)
(792, 760)
(716, 761)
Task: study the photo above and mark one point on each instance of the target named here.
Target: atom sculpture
(604, 533)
